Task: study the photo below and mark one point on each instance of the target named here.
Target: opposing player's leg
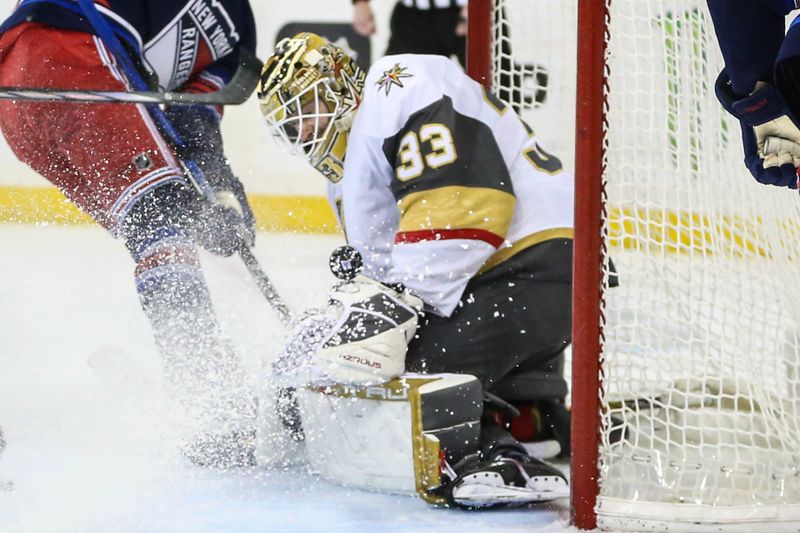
(112, 162)
(200, 365)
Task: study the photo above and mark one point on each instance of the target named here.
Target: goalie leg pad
(392, 437)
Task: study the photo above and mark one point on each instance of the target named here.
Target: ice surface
(95, 448)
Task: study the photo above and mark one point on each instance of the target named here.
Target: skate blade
(484, 490)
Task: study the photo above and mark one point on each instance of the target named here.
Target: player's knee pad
(168, 273)
(167, 263)
(167, 208)
(395, 436)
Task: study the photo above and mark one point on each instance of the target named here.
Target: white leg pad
(389, 437)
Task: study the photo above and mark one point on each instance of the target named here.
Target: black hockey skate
(507, 478)
(222, 450)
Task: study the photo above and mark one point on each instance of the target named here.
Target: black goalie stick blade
(237, 91)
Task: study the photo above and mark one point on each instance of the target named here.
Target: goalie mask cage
(684, 381)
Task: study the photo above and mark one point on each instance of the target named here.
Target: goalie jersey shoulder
(405, 91)
(397, 86)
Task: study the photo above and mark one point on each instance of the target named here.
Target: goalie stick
(264, 284)
(237, 91)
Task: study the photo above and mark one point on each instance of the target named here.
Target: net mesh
(700, 390)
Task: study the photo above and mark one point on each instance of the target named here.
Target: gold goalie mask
(309, 92)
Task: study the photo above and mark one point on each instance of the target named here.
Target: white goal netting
(700, 389)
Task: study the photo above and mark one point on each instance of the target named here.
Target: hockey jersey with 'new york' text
(442, 181)
(181, 44)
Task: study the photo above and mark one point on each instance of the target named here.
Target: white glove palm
(779, 142)
(778, 139)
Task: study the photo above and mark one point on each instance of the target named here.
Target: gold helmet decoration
(309, 92)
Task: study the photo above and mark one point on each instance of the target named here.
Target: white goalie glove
(362, 338)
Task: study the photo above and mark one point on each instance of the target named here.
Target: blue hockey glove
(770, 137)
(224, 226)
(221, 227)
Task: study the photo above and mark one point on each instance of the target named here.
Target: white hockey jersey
(442, 181)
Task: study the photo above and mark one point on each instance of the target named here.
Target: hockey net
(685, 389)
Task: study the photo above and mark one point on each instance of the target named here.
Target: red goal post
(685, 380)
(588, 278)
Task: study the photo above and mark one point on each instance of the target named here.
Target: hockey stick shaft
(241, 85)
(264, 284)
(236, 92)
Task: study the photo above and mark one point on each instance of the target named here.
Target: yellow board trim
(534, 238)
(46, 205)
(38, 205)
(305, 214)
(638, 229)
(682, 232)
(457, 207)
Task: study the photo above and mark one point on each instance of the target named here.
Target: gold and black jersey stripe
(450, 179)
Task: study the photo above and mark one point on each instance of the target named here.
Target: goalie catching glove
(770, 137)
(362, 338)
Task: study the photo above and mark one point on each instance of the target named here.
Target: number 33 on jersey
(436, 166)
